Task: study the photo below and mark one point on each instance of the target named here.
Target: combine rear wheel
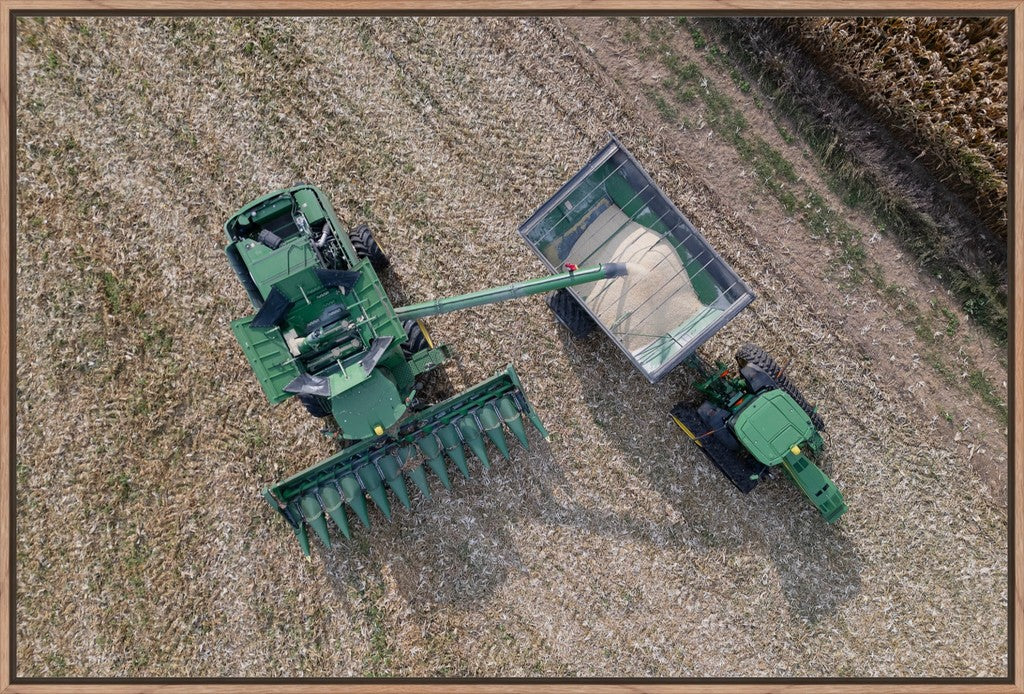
(569, 313)
(366, 247)
(417, 341)
(752, 354)
(316, 405)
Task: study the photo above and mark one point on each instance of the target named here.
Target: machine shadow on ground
(458, 547)
(817, 564)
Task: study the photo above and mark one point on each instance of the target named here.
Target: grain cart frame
(752, 420)
(326, 332)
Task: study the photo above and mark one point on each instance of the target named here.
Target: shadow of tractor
(817, 564)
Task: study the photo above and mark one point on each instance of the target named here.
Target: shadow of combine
(459, 547)
(454, 548)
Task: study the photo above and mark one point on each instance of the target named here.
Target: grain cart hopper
(679, 292)
(326, 333)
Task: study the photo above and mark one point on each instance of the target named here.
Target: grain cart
(679, 292)
(325, 332)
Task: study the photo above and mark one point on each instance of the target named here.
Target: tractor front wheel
(366, 247)
(752, 354)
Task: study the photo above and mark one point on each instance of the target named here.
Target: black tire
(417, 341)
(569, 313)
(737, 466)
(366, 247)
(316, 405)
(752, 354)
(716, 419)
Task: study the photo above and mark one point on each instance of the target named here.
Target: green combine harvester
(325, 332)
(624, 259)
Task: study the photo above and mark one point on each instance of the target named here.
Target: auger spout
(539, 285)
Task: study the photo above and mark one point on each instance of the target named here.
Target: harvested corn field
(615, 549)
(940, 82)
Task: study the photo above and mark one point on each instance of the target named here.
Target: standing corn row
(939, 81)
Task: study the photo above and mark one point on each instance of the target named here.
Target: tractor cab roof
(770, 425)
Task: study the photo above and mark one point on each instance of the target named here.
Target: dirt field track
(143, 546)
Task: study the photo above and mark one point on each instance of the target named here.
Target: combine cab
(325, 332)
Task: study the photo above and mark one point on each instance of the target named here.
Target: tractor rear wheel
(752, 354)
(316, 405)
(569, 313)
(366, 247)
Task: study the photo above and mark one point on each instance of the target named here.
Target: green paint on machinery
(753, 421)
(325, 332)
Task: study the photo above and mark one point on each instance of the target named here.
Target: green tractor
(753, 421)
(325, 332)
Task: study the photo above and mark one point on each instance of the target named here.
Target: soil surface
(143, 546)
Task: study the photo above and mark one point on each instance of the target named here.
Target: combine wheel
(435, 385)
(752, 354)
(569, 313)
(417, 340)
(366, 247)
(316, 405)
(238, 265)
